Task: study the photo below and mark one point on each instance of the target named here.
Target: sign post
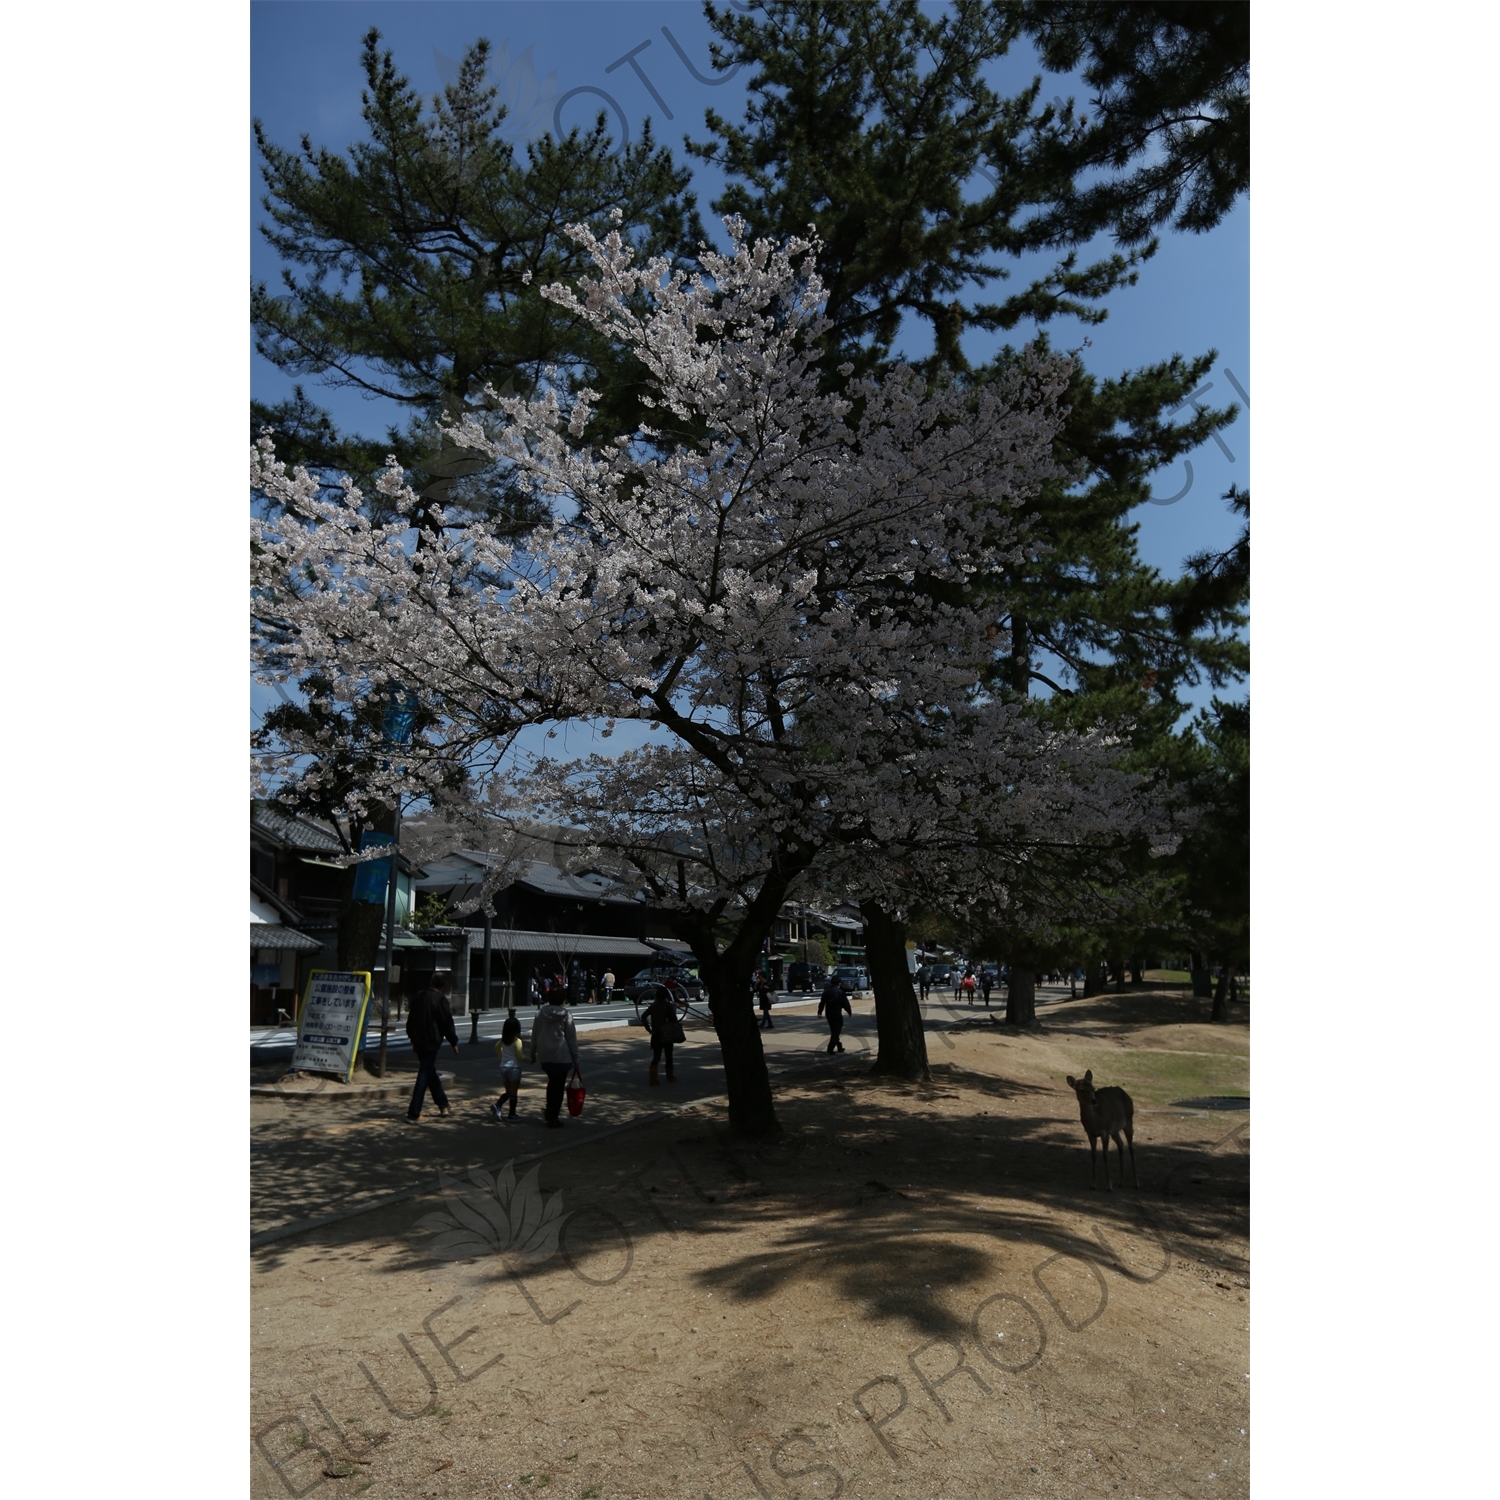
(331, 1023)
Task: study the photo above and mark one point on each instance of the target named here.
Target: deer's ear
(1072, 1081)
(1089, 1076)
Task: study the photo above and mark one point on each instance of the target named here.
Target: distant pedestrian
(834, 1003)
(665, 1031)
(924, 981)
(968, 987)
(987, 981)
(429, 1022)
(609, 984)
(509, 1049)
(763, 994)
(554, 1044)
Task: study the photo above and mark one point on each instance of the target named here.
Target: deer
(1106, 1112)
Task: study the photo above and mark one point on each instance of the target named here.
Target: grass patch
(1160, 1077)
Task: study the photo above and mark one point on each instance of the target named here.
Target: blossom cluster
(792, 580)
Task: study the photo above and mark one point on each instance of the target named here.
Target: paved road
(271, 1043)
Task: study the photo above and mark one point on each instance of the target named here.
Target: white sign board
(331, 1022)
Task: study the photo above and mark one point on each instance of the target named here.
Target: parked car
(805, 977)
(853, 978)
(642, 987)
(940, 974)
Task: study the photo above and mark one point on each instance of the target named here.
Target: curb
(342, 1093)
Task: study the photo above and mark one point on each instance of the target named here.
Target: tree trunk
(746, 1079)
(1137, 972)
(898, 1017)
(1118, 965)
(361, 922)
(1020, 995)
(727, 975)
(1221, 995)
(1093, 978)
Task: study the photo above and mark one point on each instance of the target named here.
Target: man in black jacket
(429, 1023)
(834, 1003)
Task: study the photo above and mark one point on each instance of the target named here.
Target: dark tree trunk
(360, 923)
(727, 975)
(1093, 978)
(1137, 972)
(1118, 966)
(1020, 995)
(1221, 995)
(898, 1017)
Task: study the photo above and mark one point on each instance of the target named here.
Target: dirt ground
(912, 1292)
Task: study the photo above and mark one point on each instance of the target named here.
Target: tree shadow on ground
(878, 1191)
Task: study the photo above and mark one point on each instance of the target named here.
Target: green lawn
(1158, 1078)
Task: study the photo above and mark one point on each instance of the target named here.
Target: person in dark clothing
(763, 994)
(429, 1022)
(665, 1031)
(834, 1003)
(986, 981)
(924, 981)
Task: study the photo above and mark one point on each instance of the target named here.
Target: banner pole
(390, 940)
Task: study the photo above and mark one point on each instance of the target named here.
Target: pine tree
(413, 268)
(868, 123)
(871, 123)
(1170, 128)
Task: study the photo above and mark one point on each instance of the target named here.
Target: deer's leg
(1093, 1165)
(1130, 1136)
(1109, 1187)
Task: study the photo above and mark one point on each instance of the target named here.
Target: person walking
(834, 1003)
(986, 981)
(509, 1050)
(968, 986)
(763, 994)
(665, 1030)
(609, 984)
(554, 1044)
(924, 981)
(429, 1021)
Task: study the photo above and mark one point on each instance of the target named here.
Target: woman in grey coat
(554, 1044)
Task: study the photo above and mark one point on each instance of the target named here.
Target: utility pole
(390, 942)
(488, 928)
(395, 730)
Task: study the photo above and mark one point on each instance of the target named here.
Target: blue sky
(305, 79)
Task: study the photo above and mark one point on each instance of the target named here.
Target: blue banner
(372, 880)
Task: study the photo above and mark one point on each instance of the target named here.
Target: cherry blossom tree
(777, 578)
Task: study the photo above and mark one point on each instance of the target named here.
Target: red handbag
(576, 1093)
